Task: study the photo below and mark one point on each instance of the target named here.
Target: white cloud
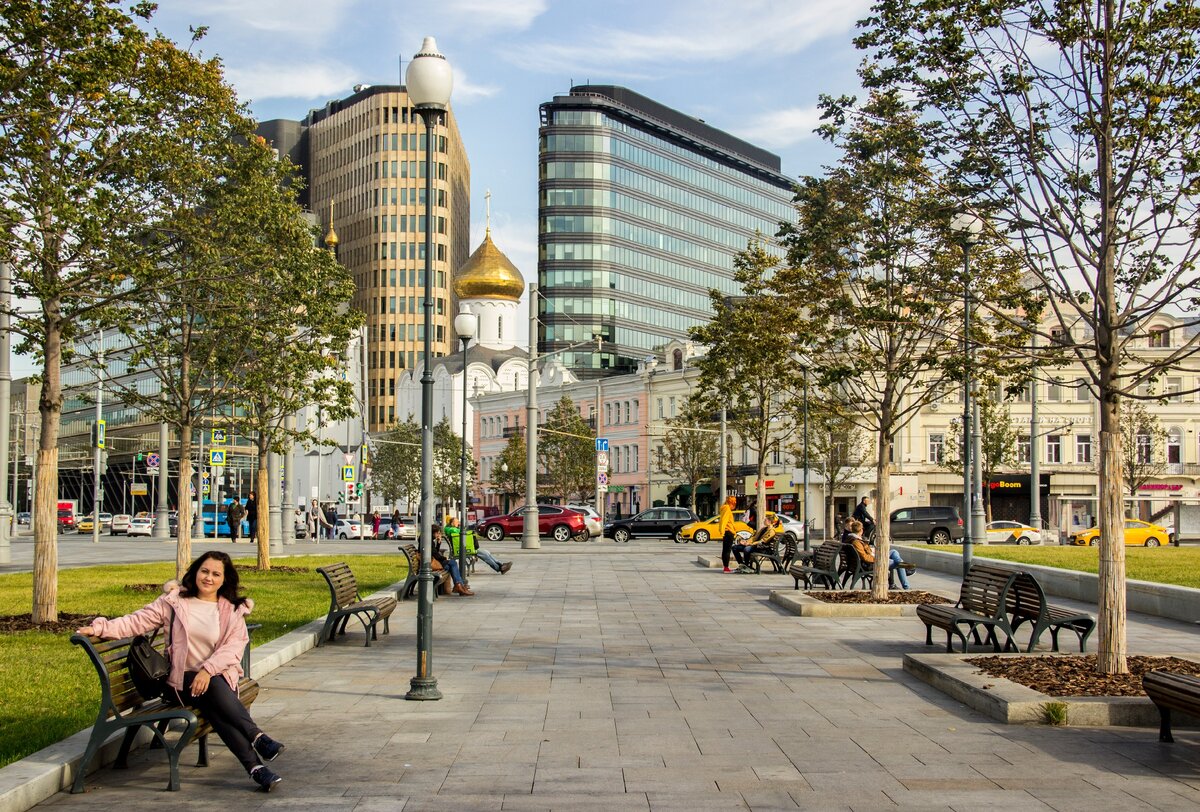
(465, 90)
(708, 31)
(781, 128)
(307, 20)
(493, 15)
(298, 80)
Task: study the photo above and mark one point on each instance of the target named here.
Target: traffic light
(140, 456)
(358, 489)
(341, 498)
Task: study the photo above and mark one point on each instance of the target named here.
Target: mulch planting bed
(898, 596)
(278, 568)
(1075, 674)
(10, 624)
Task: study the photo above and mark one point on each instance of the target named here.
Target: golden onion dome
(488, 274)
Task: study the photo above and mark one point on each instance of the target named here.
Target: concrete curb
(1015, 704)
(1145, 597)
(26, 783)
(800, 603)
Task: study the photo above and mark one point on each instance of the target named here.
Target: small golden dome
(331, 239)
(488, 274)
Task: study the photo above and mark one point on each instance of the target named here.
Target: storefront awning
(685, 491)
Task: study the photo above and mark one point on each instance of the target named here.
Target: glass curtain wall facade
(367, 156)
(641, 210)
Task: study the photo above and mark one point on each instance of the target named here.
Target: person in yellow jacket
(451, 531)
(725, 529)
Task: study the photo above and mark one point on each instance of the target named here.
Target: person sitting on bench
(207, 636)
(896, 565)
(761, 536)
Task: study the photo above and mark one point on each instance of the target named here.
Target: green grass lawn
(1163, 565)
(48, 687)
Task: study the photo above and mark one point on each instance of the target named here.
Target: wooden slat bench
(409, 590)
(981, 602)
(821, 566)
(1170, 692)
(855, 570)
(1027, 604)
(345, 602)
(780, 551)
(123, 708)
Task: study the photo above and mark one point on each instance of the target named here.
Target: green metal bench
(981, 603)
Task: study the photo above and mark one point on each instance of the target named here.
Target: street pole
(966, 425)
(289, 487)
(1035, 479)
(198, 528)
(723, 461)
(978, 516)
(806, 540)
(529, 536)
(97, 451)
(602, 491)
(428, 81)
(274, 508)
(162, 529)
(6, 509)
(465, 324)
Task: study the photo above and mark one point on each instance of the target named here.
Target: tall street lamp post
(465, 324)
(806, 522)
(967, 227)
(429, 81)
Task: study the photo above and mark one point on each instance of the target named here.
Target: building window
(608, 414)
(937, 448)
(1024, 449)
(677, 360)
(628, 412)
(671, 401)
(1054, 391)
(1083, 449)
(1026, 393)
(1160, 338)
(1174, 447)
(1172, 389)
(1145, 450)
(661, 414)
(1054, 449)
(1082, 393)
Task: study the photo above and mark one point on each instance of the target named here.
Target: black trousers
(726, 548)
(227, 715)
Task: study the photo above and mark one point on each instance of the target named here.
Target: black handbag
(148, 667)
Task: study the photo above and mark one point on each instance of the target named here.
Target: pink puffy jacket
(226, 659)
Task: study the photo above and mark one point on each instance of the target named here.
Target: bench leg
(1083, 637)
(97, 738)
(928, 634)
(1164, 727)
(126, 743)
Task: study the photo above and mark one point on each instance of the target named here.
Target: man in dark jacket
(863, 513)
(233, 517)
(252, 516)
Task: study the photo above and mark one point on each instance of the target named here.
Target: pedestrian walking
(375, 520)
(252, 515)
(233, 517)
(862, 513)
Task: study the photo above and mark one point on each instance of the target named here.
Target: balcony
(512, 431)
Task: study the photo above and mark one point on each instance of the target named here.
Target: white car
(348, 529)
(140, 526)
(106, 520)
(120, 524)
(792, 527)
(591, 518)
(1005, 532)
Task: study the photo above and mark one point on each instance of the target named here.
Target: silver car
(590, 518)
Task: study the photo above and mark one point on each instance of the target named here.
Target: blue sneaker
(264, 778)
(267, 748)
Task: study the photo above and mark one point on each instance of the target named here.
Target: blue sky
(753, 68)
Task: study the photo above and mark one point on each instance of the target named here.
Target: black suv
(934, 525)
(663, 522)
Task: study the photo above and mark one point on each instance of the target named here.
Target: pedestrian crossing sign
(347, 473)
(216, 457)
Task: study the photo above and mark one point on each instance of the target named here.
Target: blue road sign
(216, 457)
(602, 444)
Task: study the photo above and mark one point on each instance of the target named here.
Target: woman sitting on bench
(206, 638)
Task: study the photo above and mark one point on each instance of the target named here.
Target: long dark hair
(229, 588)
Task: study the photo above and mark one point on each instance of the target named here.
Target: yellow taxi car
(84, 525)
(701, 532)
(1137, 534)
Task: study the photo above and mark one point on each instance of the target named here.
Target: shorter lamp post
(465, 324)
(968, 227)
(504, 470)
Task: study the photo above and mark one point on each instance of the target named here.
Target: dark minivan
(931, 524)
(663, 522)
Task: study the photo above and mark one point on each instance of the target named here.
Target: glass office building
(641, 210)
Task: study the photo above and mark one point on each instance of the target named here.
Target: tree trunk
(183, 547)
(45, 509)
(262, 504)
(883, 501)
(760, 493)
(1111, 649)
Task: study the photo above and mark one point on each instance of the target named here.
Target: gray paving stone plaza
(598, 676)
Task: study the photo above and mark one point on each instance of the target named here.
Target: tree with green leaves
(837, 445)
(690, 448)
(748, 366)
(567, 452)
(1074, 128)
(874, 265)
(508, 470)
(396, 463)
(101, 123)
(1143, 445)
(296, 336)
(447, 464)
